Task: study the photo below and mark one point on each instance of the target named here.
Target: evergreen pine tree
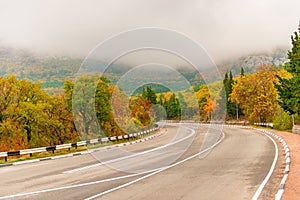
(242, 71)
(230, 107)
(149, 94)
(289, 89)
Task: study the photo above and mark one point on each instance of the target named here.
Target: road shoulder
(292, 187)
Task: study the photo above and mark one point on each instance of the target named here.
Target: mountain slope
(52, 71)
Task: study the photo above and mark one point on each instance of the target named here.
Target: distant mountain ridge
(52, 71)
(252, 62)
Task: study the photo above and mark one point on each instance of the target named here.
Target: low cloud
(72, 27)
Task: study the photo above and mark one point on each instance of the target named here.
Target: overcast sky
(226, 28)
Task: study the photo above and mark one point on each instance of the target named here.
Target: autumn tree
(256, 94)
(206, 104)
(210, 106)
(32, 118)
(11, 136)
(22, 104)
(140, 112)
(121, 111)
(62, 127)
(146, 109)
(202, 96)
(15, 91)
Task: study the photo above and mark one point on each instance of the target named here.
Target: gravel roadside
(292, 187)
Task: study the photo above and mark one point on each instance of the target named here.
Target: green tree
(230, 106)
(171, 104)
(83, 104)
(289, 88)
(183, 105)
(149, 94)
(103, 104)
(68, 90)
(242, 71)
(174, 109)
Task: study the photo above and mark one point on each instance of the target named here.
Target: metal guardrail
(5, 155)
(264, 124)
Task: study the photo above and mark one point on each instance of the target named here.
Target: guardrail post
(51, 148)
(30, 154)
(5, 159)
(74, 145)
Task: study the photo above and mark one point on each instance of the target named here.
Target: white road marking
(130, 156)
(78, 185)
(152, 172)
(263, 184)
(155, 172)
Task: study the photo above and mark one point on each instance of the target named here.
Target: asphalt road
(167, 167)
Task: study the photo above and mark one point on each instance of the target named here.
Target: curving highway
(187, 162)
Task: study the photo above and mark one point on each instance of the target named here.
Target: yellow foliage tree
(256, 94)
(206, 104)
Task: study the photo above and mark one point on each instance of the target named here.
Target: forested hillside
(52, 71)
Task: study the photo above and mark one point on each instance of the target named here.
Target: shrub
(282, 120)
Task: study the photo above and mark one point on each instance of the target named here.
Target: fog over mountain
(73, 28)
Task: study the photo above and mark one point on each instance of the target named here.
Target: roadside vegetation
(270, 95)
(30, 117)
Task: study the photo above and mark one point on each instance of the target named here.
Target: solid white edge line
(263, 184)
(156, 172)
